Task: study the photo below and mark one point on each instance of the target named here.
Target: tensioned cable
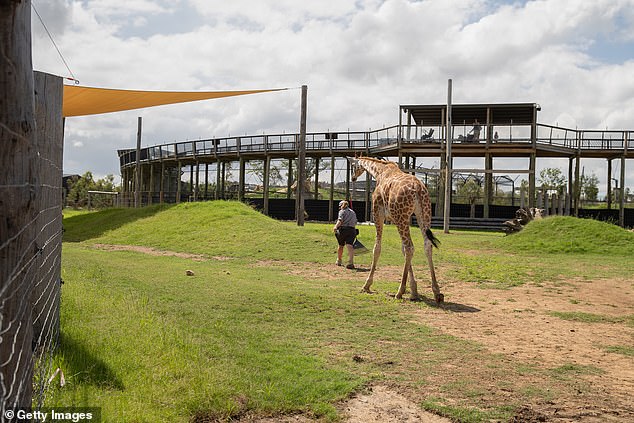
(72, 78)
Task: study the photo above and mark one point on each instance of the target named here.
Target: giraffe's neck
(376, 168)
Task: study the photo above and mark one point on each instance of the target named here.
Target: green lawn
(253, 331)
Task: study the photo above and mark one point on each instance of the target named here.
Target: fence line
(30, 254)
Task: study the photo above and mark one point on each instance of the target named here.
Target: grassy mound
(214, 228)
(562, 234)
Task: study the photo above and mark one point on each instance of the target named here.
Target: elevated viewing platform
(507, 130)
(551, 141)
(476, 130)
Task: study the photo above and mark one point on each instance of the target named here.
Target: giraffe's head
(357, 169)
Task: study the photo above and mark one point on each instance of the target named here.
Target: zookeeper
(346, 232)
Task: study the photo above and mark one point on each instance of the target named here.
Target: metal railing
(334, 142)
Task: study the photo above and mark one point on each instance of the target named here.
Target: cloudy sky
(359, 58)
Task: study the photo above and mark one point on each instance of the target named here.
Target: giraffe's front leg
(375, 256)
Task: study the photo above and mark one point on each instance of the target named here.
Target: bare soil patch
(519, 324)
(379, 404)
(155, 252)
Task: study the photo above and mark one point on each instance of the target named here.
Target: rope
(72, 75)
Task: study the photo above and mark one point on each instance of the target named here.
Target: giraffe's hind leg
(408, 252)
(438, 296)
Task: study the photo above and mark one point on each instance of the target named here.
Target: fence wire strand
(31, 288)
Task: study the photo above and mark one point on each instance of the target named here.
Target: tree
(78, 190)
(471, 190)
(311, 167)
(590, 187)
(553, 179)
(257, 169)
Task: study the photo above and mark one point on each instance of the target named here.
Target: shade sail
(81, 101)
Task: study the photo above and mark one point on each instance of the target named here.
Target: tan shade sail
(81, 101)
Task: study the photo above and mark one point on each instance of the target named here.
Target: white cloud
(360, 59)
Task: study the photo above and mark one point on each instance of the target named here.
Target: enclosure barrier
(30, 256)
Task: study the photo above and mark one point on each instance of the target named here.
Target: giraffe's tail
(432, 238)
(422, 207)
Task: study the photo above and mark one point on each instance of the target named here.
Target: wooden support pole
(18, 209)
(151, 187)
(316, 197)
(50, 145)
(191, 180)
(301, 166)
(223, 180)
(488, 184)
(289, 179)
(368, 187)
(206, 181)
(197, 183)
(622, 194)
(265, 183)
(179, 170)
(449, 164)
(609, 199)
(347, 195)
(162, 183)
(218, 179)
(531, 179)
(571, 188)
(577, 185)
(241, 178)
(137, 176)
(332, 189)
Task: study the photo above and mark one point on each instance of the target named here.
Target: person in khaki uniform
(345, 230)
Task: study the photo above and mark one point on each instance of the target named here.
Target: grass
(253, 332)
(621, 349)
(564, 234)
(577, 316)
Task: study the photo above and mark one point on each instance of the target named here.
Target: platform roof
(500, 113)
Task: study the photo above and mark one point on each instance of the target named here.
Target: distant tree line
(78, 187)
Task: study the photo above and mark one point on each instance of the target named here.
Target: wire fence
(30, 256)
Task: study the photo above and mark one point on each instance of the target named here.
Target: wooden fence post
(18, 207)
(49, 143)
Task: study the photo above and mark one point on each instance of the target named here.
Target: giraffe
(396, 197)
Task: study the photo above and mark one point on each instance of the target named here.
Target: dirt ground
(517, 324)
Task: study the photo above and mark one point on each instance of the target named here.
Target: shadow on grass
(92, 225)
(84, 367)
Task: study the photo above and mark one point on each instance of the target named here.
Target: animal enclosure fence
(30, 249)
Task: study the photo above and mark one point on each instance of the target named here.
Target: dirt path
(520, 323)
(155, 252)
(526, 325)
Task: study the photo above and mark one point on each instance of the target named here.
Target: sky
(360, 59)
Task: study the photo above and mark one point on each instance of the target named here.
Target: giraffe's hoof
(440, 298)
(367, 291)
(416, 298)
